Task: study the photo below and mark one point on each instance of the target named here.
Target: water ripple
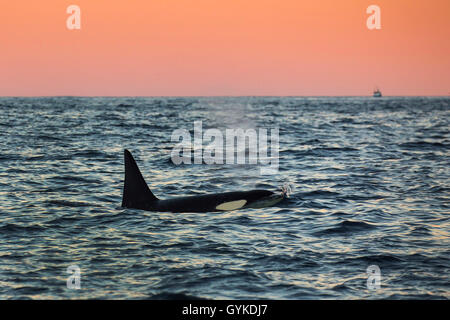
(369, 179)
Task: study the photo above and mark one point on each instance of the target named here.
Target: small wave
(380, 259)
(362, 198)
(89, 153)
(423, 145)
(48, 137)
(319, 194)
(62, 220)
(340, 287)
(12, 228)
(124, 105)
(219, 248)
(335, 149)
(74, 179)
(341, 214)
(28, 290)
(420, 231)
(241, 220)
(174, 296)
(291, 262)
(35, 158)
(439, 189)
(398, 296)
(65, 203)
(344, 120)
(347, 226)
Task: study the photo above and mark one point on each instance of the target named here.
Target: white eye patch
(232, 205)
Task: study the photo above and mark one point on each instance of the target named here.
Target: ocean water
(370, 185)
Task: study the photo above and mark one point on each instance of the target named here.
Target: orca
(137, 195)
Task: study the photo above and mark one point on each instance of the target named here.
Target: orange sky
(224, 47)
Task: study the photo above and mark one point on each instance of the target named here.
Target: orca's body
(137, 195)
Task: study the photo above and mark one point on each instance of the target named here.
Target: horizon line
(210, 96)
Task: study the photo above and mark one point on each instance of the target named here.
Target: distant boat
(377, 93)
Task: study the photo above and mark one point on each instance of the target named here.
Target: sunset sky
(224, 47)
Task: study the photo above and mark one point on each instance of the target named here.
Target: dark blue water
(370, 186)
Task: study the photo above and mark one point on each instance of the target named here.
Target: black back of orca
(137, 195)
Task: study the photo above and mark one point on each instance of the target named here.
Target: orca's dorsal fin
(135, 189)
